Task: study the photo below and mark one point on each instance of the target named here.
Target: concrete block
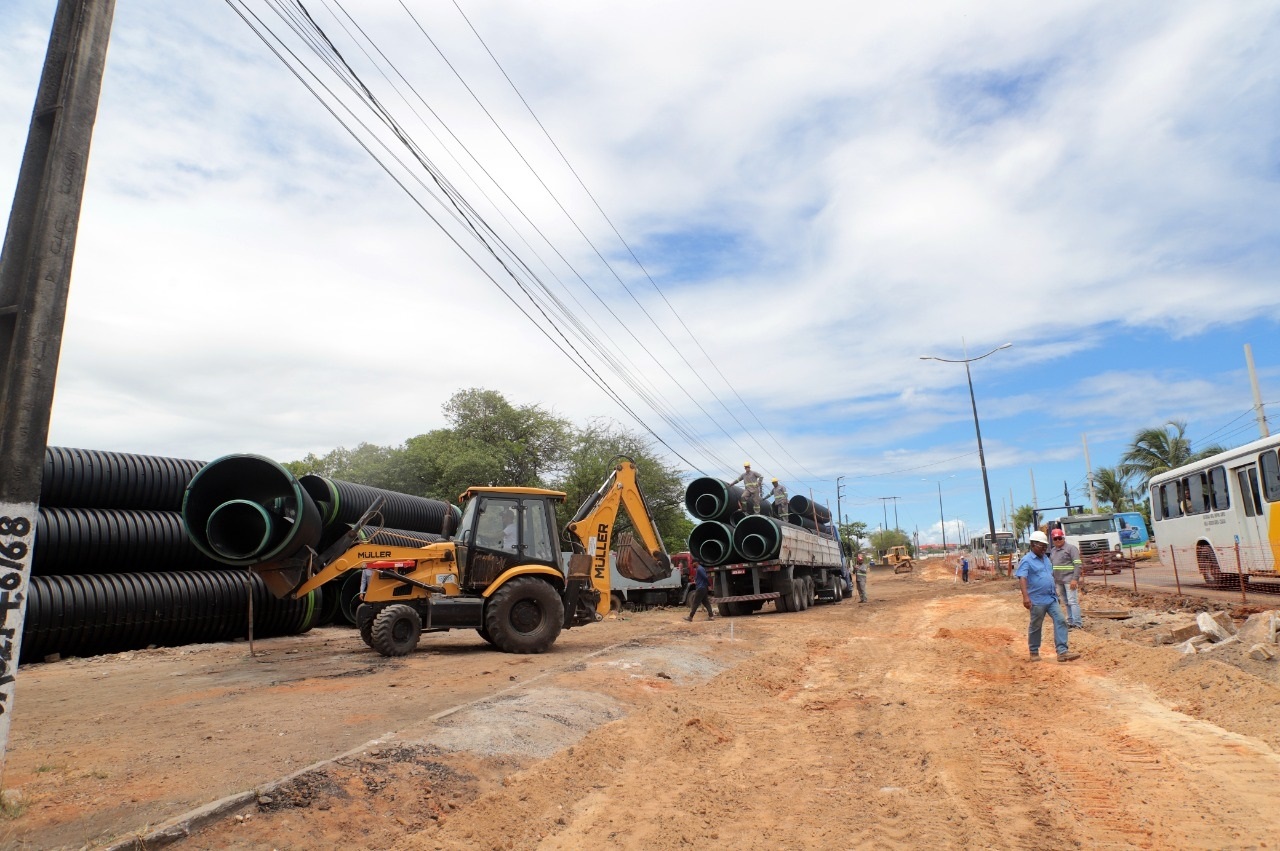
(1257, 629)
(1261, 652)
(1174, 636)
(1193, 644)
(1211, 626)
(1209, 648)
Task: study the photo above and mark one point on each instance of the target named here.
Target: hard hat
(1038, 537)
(746, 463)
(1057, 533)
(775, 481)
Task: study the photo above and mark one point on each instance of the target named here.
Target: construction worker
(1067, 570)
(701, 593)
(781, 507)
(752, 484)
(860, 578)
(1040, 598)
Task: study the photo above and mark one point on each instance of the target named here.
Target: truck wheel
(616, 602)
(484, 633)
(396, 630)
(524, 616)
(801, 602)
(366, 632)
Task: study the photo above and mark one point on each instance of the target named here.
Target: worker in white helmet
(1040, 598)
(752, 484)
(781, 506)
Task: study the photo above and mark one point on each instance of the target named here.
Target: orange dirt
(912, 721)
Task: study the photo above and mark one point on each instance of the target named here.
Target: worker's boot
(1034, 657)
(1068, 656)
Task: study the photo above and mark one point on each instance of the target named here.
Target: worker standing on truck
(752, 484)
(1040, 598)
(781, 507)
(860, 578)
(701, 593)
(1066, 576)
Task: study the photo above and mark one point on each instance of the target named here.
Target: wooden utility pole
(35, 277)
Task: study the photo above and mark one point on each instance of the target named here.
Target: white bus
(1225, 510)
(989, 551)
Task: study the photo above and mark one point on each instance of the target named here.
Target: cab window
(537, 531)
(497, 526)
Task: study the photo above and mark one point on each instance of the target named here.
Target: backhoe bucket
(637, 563)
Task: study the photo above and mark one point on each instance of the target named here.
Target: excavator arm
(591, 531)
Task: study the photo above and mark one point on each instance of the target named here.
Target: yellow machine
(898, 558)
(501, 571)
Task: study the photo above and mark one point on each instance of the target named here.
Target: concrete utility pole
(1088, 468)
(35, 277)
(942, 517)
(1263, 430)
(1035, 503)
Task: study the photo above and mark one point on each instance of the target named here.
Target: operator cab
(502, 528)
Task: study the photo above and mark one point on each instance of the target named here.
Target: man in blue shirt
(1040, 597)
(701, 594)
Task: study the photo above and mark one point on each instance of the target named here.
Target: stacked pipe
(247, 510)
(113, 569)
(727, 535)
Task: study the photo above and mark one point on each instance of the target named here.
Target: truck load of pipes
(756, 559)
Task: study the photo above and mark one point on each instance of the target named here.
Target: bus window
(1218, 489)
(1248, 478)
(1196, 494)
(1169, 500)
(1270, 466)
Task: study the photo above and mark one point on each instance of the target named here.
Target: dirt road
(911, 721)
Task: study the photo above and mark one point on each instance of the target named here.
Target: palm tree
(1158, 450)
(1111, 485)
(1022, 520)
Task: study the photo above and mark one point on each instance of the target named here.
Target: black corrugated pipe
(342, 503)
(806, 508)
(88, 615)
(766, 508)
(103, 540)
(711, 499)
(245, 510)
(758, 538)
(806, 523)
(399, 537)
(712, 543)
(92, 478)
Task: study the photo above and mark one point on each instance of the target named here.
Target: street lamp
(982, 459)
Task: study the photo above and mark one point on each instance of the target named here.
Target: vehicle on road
(1224, 510)
(502, 573)
(898, 559)
(994, 551)
(1107, 539)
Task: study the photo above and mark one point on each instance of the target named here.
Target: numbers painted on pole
(15, 561)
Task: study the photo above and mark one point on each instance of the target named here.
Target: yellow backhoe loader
(500, 572)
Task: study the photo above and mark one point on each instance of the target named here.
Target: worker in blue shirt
(1040, 597)
(701, 594)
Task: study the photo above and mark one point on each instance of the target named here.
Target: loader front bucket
(637, 563)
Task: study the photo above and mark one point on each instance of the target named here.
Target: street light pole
(982, 458)
(943, 518)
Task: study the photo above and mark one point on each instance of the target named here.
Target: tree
(1158, 450)
(591, 456)
(851, 535)
(530, 442)
(1022, 520)
(1112, 487)
(885, 539)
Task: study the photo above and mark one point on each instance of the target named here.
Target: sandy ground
(911, 721)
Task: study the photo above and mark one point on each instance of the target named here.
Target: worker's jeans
(701, 597)
(1070, 598)
(861, 580)
(1036, 630)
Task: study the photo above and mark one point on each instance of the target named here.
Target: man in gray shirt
(1067, 569)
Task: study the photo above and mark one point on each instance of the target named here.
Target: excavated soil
(912, 721)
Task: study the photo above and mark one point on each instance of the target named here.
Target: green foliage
(851, 535)
(1112, 487)
(591, 458)
(884, 539)
(1022, 519)
(1158, 450)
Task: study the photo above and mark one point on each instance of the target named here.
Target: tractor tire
(366, 632)
(484, 633)
(524, 616)
(396, 630)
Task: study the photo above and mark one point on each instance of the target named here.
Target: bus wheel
(1207, 561)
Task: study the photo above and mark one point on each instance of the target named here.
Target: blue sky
(823, 192)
